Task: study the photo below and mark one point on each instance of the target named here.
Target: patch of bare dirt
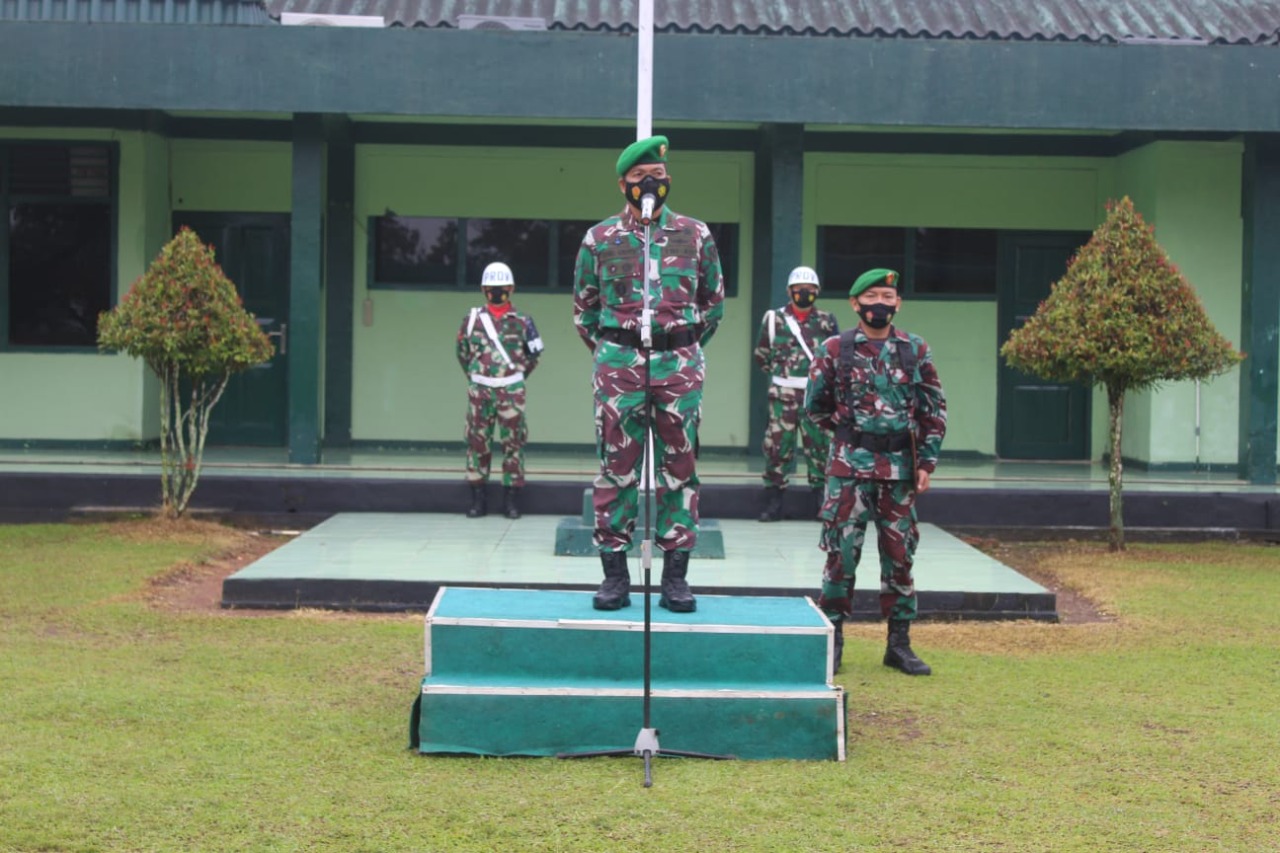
(197, 587)
(1032, 559)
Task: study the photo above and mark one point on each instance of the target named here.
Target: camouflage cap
(651, 150)
(874, 278)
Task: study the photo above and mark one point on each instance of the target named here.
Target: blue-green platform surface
(397, 561)
(538, 672)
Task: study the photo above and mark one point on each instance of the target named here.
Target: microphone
(647, 202)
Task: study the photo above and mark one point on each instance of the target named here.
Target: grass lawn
(130, 724)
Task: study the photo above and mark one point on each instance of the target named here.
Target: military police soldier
(785, 347)
(687, 304)
(498, 347)
(877, 388)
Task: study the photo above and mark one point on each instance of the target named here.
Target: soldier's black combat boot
(509, 508)
(479, 501)
(676, 596)
(898, 653)
(837, 651)
(615, 592)
(772, 504)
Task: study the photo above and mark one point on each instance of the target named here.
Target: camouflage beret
(874, 278)
(651, 150)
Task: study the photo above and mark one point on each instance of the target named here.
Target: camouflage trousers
(787, 422)
(621, 421)
(848, 507)
(504, 408)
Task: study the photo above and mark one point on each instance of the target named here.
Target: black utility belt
(662, 341)
(887, 443)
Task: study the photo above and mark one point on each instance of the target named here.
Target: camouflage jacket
(519, 336)
(780, 354)
(608, 277)
(878, 398)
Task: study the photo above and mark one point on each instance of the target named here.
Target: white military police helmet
(497, 275)
(803, 275)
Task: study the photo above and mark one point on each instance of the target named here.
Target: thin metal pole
(644, 72)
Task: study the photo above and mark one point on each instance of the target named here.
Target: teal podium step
(574, 536)
(539, 672)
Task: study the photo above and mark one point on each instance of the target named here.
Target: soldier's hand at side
(922, 481)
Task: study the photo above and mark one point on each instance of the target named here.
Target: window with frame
(57, 247)
(415, 252)
(939, 263)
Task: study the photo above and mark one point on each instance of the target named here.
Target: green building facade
(355, 181)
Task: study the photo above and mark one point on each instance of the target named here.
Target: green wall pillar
(306, 227)
(1260, 310)
(339, 253)
(779, 212)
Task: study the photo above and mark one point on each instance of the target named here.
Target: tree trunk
(1115, 402)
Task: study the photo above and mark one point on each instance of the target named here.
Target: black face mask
(803, 298)
(877, 315)
(496, 295)
(659, 188)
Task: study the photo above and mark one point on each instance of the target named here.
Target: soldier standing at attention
(877, 388)
(687, 304)
(497, 347)
(789, 337)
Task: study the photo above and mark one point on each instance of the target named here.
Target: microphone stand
(646, 745)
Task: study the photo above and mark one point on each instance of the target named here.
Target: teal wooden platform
(528, 672)
(575, 536)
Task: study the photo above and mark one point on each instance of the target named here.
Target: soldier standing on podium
(609, 281)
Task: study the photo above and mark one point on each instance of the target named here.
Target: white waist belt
(497, 381)
(791, 381)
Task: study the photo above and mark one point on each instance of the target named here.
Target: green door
(253, 250)
(1036, 419)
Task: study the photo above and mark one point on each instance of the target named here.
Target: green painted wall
(229, 176)
(406, 381)
(954, 192)
(87, 395)
(1190, 192)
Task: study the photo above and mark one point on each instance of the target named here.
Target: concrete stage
(397, 561)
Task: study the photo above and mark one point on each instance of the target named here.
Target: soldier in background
(877, 389)
(498, 347)
(608, 293)
(788, 339)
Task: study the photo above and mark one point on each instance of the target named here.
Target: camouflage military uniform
(877, 404)
(781, 356)
(607, 302)
(496, 390)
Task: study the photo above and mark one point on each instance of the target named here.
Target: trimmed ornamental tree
(1124, 317)
(184, 318)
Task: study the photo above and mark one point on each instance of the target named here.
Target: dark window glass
(955, 261)
(569, 234)
(82, 171)
(847, 251)
(415, 250)
(726, 236)
(59, 273)
(522, 244)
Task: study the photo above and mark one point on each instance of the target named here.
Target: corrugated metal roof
(1211, 21)
(137, 11)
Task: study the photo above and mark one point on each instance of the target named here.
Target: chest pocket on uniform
(620, 277)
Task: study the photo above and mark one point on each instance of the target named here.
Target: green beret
(874, 278)
(651, 150)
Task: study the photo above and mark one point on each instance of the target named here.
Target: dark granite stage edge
(400, 596)
(46, 496)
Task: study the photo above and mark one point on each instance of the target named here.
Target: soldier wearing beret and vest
(789, 337)
(876, 387)
(498, 347)
(687, 304)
